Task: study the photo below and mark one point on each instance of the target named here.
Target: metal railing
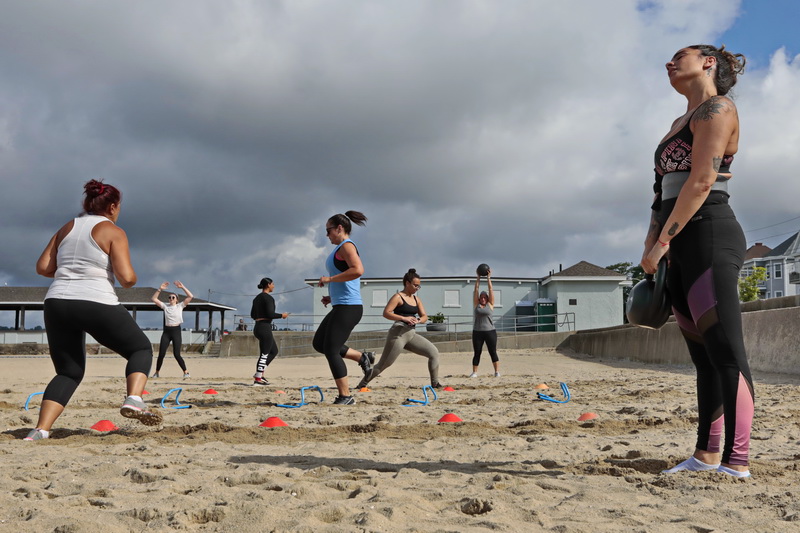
(371, 331)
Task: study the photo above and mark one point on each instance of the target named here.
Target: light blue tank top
(342, 292)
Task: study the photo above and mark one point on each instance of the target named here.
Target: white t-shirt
(173, 314)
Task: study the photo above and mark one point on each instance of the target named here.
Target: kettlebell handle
(660, 280)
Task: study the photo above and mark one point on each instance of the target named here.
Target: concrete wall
(299, 342)
(771, 336)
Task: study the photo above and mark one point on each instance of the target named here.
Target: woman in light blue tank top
(344, 284)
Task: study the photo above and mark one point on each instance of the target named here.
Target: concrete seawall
(771, 337)
(299, 343)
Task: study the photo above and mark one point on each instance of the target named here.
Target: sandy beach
(515, 463)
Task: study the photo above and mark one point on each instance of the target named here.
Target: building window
(452, 298)
(498, 298)
(573, 301)
(778, 271)
(778, 294)
(380, 297)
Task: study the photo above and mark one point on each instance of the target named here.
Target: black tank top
(406, 309)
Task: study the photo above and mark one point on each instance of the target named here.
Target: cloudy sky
(517, 133)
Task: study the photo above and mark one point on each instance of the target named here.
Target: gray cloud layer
(517, 133)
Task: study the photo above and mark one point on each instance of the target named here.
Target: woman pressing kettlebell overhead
(693, 225)
(483, 330)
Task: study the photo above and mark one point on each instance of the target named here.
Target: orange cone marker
(450, 417)
(587, 416)
(210, 391)
(448, 388)
(542, 386)
(364, 389)
(273, 422)
(104, 425)
(280, 392)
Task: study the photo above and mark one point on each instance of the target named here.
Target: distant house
(782, 264)
(583, 296)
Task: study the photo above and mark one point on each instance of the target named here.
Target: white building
(782, 264)
(583, 296)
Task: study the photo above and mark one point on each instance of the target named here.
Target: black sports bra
(406, 309)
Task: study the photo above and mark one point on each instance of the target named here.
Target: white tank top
(83, 270)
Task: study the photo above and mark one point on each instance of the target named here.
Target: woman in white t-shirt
(173, 318)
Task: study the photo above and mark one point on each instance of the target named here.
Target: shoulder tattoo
(712, 107)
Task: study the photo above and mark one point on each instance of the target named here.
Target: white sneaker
(497, 374)
(474, 375)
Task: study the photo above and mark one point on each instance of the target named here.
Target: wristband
(663, 243)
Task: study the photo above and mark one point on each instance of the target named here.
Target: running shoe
(186, 375)
(366, 362)
(344, 400)
(260, 381)
(474, 375)
(370, 356)
(437, 385)
(497, 374)
(155, 375)
(36, 434)
(136, 409)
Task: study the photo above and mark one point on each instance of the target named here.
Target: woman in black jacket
(263, 312)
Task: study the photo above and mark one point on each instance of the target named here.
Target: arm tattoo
(673, 229)
(709, 108)
(716, 163)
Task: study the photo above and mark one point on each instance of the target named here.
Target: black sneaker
(366, 362)
(344, 400)
(437, 385)
(260, 381)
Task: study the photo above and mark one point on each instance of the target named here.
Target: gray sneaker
(344, 400)
(133, 408)
(36, 434)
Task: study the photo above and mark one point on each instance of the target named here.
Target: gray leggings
(402, 337)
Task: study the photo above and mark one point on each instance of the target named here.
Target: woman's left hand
(653, 257)
(322, 281)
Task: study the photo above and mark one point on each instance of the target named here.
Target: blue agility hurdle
(302, 398)
(564, 390)
(31, 396)
(178, 404)
(426, 401)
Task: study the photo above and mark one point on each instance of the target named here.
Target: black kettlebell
(648, 303)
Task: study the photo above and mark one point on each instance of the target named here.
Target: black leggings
(267, 346)
(490, 338)
(332, 333)
(68, 321)
(171, 334)
(705, 259)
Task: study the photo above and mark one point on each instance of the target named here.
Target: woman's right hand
(164, 285)
(410, 320)
(284, 315)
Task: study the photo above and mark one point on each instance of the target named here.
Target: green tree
(748, 286)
